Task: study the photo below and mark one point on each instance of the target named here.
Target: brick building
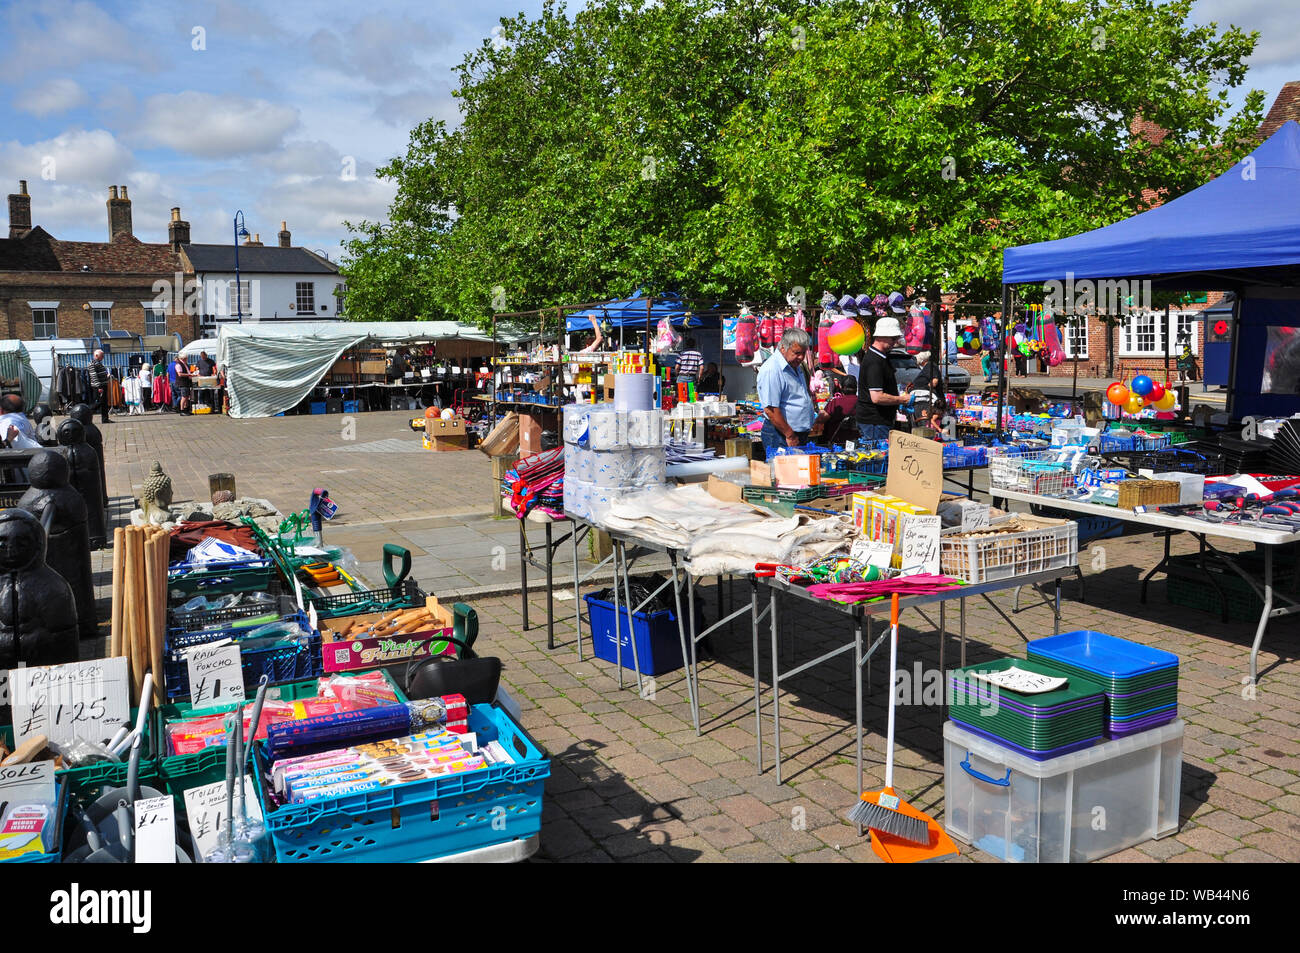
(50, 288)
(1138, 343)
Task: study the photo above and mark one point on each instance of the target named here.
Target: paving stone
(691, 770)
(1162, 849)
(1227, 823)
(1209, 841)
(1274, 843)
(722, 831)
(1250, 855)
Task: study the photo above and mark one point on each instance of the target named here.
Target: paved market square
(630, 779)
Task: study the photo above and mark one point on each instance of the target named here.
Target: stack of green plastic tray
(1044, 725)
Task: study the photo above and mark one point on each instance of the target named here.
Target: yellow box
(861, 510)
(901, 513)
(879, 514)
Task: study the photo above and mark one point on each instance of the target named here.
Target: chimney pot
(119, 212)
(20, 211)
(176, 214)
(284, 226)
(284, 236)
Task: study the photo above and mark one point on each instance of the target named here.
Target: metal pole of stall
(1002, 350)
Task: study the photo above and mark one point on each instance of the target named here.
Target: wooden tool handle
(119, 563)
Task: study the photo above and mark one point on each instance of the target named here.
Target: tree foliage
(739, 149)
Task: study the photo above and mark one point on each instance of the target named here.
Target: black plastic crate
(1184, 459)
(213, 618)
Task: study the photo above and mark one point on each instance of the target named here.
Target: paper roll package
(634, 392)
(645, 428)
(649, 468)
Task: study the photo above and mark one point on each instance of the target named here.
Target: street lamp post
(240, 232)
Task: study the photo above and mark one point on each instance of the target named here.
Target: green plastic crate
(180, 772)
(107, 772)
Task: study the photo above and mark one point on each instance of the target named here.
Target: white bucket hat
(887, 328)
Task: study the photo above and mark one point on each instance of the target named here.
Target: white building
(276, 282)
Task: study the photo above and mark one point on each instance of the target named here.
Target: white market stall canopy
(273, 367)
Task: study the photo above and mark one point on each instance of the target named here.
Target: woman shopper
(146, 386)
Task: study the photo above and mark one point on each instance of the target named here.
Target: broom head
(909, 837)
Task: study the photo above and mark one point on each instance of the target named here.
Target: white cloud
(87, 159)
(409, 108)
(52, 34)
(1279, 41)
(212, 126)
(51, 97)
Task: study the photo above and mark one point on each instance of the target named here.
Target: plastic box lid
(1105, 655)
(999, 754)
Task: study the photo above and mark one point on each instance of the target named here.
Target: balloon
(1134, 404)
(1167, 401)
(1157, 391)
(846, 336)
(1117, 394)
(1141, 385)
(975, 345)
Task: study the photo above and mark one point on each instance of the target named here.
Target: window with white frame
(1184, 325)
(1143, 334)
(45, 323)
(340, 292)
(305, 295)
(155, 321)
(238, 295)
(102, 320)
(1074, 335)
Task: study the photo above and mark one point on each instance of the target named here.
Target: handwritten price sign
(216, 674)
(205, 808)
(915, 470)
(81, 700)
(155, 830)
(920, 549)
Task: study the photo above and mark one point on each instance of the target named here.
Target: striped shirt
(688, 365)
(97, 374)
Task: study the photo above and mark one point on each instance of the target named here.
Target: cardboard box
(439, 428)
(760, 474)
(530, 433)
(342, 653)
(724, 490)
(445, 443)
(796, 469)
(345, 367)
(374, 367)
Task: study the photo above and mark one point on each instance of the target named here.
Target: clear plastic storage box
(1075, 808)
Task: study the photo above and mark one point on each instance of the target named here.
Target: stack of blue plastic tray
(1141, 683)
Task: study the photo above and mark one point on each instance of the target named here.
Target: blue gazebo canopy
(1219, 235)
(631, 313)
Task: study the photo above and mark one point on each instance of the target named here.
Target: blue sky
(220, 104)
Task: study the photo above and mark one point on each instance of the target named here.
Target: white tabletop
(1239, 531)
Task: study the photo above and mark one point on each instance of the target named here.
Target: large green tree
(739, 149)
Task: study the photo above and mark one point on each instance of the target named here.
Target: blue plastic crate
(280, 664)
(658, 642)
(421, 820)
(318, 406)
(350, 407)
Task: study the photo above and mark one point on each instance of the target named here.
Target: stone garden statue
(62, 513)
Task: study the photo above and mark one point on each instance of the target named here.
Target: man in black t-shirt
(878, 399)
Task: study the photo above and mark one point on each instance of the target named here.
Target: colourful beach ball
(846, 336)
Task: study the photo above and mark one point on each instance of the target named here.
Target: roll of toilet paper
(648, 467)
(634, 391)
(645, 428)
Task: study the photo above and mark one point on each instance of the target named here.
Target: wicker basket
(1147, 493)
(1025, 545)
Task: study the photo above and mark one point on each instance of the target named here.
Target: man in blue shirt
(783, 392)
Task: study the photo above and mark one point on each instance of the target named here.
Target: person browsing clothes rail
(783, 392)
(878, 399)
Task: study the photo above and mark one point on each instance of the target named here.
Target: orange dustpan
(900, 834)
